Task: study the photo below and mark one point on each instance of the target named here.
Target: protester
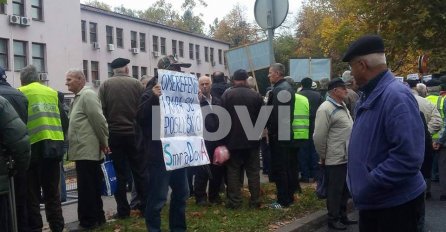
(159, 178)
(284, 164)
(386, 146)
(14, 145)
(88, 141)
(47, 141)
(119, 96)
(219, 84)
(331, 136)
(243, 147)
(209, 173)
(20, 104)
(308, 157)
(352, 97)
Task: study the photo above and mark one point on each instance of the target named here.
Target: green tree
(160, 12)
(98, 4)
(126, 11)
(235, 29)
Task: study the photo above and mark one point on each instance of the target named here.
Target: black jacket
(315, 100)
(218, 88)
(211, 123)
(16, 98)
(241, 96)
(274, 119)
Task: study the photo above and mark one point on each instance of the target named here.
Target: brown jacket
(119, 96)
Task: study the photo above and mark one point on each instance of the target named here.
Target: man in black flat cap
(386, 146)
(119, 96)
(331, 134)
(243, 149)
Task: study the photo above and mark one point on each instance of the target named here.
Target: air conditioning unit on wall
(135, 50)
(213, 63)
(96, 83)
(198, 61)
(25, 21)
(110, 47)
(14, 19)
(155, 54)
(43, 76)
(96, 45)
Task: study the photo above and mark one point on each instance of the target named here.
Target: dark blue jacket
(386, 147)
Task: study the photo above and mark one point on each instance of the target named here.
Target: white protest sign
(181, 121)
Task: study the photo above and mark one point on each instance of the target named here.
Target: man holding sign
(172, 126)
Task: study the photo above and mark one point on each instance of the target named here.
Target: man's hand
(322, 162)
(157, 90)
(436, 145)
(106, 150)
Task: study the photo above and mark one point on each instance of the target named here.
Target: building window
(119, 38)
(174, 47)
(197, 51)
(2, 8)
(94, 70)
(84, 30)
(109, 34)
(181, 48)
(93, 32)
(142, 42)
(206, 54)
(36, 9)
(85, 69)
(19, 55)
(133, 39)
(191, 51)
(39, 56)
(163, 46)
(143, 71)
(220, 55)
(109, 70)
(4, 54)
(18, 7)
(135, 73)
(212, 55)
(155, 43)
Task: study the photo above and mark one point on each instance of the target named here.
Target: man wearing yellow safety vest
(440, 142)
(46, 137)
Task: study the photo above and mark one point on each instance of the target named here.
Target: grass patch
(219, 218)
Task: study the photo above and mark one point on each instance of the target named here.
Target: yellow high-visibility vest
(301, 120)
(43, 113)
(439, 102)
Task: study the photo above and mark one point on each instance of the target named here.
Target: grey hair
(29, 75)
(121, 70)
(79, 73)
(374, 59)
(279, 68)
(421, 89)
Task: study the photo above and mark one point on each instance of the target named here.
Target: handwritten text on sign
(181, 121)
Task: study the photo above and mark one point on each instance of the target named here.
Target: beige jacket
(431, 113)
(88, 129)
(333, 126)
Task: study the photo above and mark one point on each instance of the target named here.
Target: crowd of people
(364, 129)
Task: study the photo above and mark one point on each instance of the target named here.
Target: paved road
(435, 214)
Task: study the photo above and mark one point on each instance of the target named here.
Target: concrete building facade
(59, 35)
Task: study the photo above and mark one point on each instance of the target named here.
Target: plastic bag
(221, 155)
(109, 183)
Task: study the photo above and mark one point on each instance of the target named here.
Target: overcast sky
(215, 8)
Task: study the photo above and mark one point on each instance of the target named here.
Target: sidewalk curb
(310, 222)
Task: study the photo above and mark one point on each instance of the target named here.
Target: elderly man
(88, 141)
(331, 135)
(284, 164)
(215, 175)
(386, 146)
(119, 96)
(47, 140)
(219, 84)
(160, 179)
(352, 97)
(243, 149)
